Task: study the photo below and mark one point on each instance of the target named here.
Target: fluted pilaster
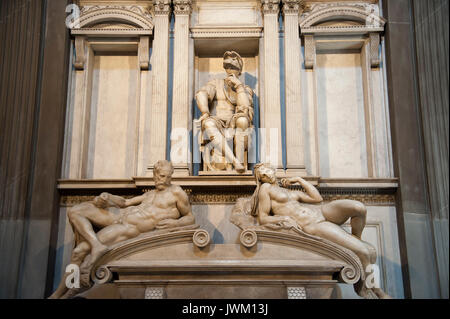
(180, 94)
(160, 71)
(272, 109)
(294, 127)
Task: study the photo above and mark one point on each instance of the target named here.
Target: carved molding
(270, 6)
(107, 19)
(212, 33)
(366, 14)
(182, 7)
(161, 7)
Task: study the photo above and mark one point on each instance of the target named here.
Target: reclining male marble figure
(232, 102)
(167, 206)
(277, 208)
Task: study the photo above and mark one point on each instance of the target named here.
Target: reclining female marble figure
(282, 208)
(167, 206)
(233, 103)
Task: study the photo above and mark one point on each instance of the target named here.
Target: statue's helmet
(232, 59)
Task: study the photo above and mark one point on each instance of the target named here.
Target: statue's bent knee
(242, 123)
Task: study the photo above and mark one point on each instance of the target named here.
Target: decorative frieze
(202, 197)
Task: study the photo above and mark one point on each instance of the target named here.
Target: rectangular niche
(208, 65)
(341, 114)
(113, 123)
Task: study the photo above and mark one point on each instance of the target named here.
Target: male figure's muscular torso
(156, 206)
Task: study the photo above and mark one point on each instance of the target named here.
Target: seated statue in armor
(227, 112)
(119, 219)
(277, 208)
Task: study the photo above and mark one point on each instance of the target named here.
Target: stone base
(224, 173)
(296, 171)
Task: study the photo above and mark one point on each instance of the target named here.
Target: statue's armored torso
(225, 100)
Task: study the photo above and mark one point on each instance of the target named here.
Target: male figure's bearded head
(162, 174)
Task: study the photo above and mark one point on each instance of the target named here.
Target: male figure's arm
(107, 200)
(204, 96)
(243, 97)
(184, 208)
(312, 195)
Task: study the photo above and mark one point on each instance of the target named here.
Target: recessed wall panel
(340, 115)
(113, 117)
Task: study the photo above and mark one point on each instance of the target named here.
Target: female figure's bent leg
(338, 235)
(339, 211)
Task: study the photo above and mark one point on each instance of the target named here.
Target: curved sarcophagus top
(172, 260)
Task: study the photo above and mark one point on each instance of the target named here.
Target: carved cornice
(251, 32)
(161, 7)
(270, 6)
(182, 7)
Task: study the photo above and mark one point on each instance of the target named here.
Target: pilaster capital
(182, 6)
(292, 6)
(270, 6)
(161, 7)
